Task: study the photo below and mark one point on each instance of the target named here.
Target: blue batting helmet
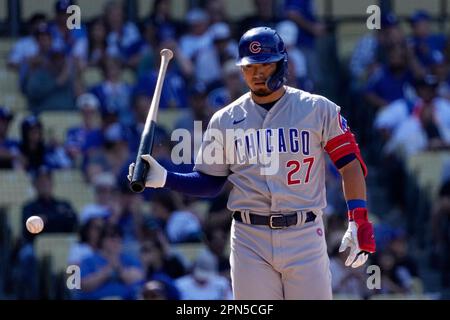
(264, 45)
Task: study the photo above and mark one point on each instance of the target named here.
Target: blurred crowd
(399, 84)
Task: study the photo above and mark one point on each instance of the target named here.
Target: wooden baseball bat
(146, 144)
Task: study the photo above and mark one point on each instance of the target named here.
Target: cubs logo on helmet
(255, 47)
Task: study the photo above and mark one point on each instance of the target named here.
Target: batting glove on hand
(359, 238)
(156, 177)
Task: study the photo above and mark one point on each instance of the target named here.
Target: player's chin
(260, 92)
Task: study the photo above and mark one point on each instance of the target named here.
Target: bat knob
(166, 53)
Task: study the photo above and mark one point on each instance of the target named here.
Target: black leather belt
(274, 221)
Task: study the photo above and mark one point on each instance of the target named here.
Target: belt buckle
(271, 221)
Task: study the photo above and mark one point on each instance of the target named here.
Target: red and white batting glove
(359, 237)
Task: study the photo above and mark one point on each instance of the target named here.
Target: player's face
(256, 75)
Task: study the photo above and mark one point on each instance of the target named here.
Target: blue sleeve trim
(356, 203)
(195, 183)
(345, 160)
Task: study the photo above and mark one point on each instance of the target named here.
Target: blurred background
(74, 101)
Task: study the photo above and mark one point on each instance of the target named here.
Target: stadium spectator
(97, 46)
(161, 265)
(86, 138)
(179, 225)
(58, 215)
(9, 148)
(391, 81)
(428, 126)
(216, 240)
(71, 41)
(216, 11)
(346, 281)
(154, 290)
(131, 217)
(91, 223)
(440, 68)
(302, 12)
(199, 110)
(197, 38)
(106, 203)
(219, 216)
(370, 50)
(114, 93)
(116, 152)
(210, 61)
(110, 272)
(204, 283)
(406, 267)
(423, 42)
(298, 77)
(161, 20)
(230, 89)
(35, 152)
(440, 234)
(27, 46)
(262, 15)
(394, 279)
(123, 36)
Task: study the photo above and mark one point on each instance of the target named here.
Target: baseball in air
(35, 224)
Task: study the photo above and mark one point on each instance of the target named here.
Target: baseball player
(271, 145)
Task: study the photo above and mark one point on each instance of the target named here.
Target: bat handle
(137, 185)
(142, 167)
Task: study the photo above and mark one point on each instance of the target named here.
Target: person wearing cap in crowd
(44, 42)
(27, 46)
(110, 272)
(106, 203)
(9, 149)
(422, 40)
(123, 36)
(392, 80)
(211, 59)
(204, 283)
(70, 41)
(35, 152)
(87, 137)
(197, 38)
(92, 220)
(368, 50)
(427, 126)
(113, 92)
(58, 214)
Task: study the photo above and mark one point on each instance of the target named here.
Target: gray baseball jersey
(288, 139)
(276, 162)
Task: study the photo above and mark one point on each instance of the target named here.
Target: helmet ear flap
(278, 78)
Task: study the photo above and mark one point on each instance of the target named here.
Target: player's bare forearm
(353, 182)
